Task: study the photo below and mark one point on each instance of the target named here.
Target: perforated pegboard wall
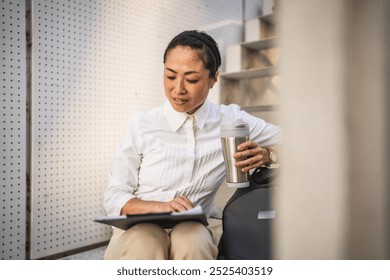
(94, 63)
(13, 130)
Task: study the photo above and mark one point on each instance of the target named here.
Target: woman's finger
(181, 203)
(247, 145)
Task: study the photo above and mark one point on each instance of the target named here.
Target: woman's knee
(141, 241)
(147, 234)
(192, 240)
(193, 231)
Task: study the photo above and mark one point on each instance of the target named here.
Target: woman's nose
(179, 86)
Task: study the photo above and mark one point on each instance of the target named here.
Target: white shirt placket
(189, 127)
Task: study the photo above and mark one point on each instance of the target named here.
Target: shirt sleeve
(123, 177)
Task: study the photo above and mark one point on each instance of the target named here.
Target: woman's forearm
(138, 206)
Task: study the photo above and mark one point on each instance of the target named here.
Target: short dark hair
(205, 45)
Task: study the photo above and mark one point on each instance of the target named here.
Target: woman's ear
(214, 80)
(216, 77)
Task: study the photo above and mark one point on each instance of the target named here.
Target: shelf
(269, 18)
(261, 108)
(251, 73)
(267, 43)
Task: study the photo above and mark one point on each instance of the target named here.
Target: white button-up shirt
(166, 153)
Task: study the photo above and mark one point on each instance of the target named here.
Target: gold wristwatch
(272, 156)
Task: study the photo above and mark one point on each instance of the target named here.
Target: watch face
(273, 156)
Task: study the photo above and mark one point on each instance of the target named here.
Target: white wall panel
(13, 130)
(94, 64)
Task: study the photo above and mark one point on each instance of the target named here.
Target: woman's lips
(179, 101)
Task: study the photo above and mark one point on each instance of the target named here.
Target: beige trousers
(186, 241)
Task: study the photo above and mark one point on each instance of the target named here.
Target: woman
(171, 157)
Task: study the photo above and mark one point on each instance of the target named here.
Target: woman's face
(186, 81)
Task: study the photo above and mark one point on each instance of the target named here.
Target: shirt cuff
(120, 202)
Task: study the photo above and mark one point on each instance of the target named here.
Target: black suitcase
(247, 220)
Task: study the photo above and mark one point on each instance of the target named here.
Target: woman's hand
(138, 206)
(179, 203)
(253, 156)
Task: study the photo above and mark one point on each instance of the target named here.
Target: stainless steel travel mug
(232, 135)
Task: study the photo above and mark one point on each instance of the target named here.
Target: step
(251, 73)
(237, 55)
(269, 18)
(260, 28)
(260, 108)
(267, 43)
(93, 254)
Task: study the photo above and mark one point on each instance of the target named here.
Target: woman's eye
(171, 77)
(192, 81)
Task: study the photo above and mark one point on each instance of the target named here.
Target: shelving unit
(252, 74)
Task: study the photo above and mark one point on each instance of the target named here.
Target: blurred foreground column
(334, 190)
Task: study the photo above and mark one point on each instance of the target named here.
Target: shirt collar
(177, 119)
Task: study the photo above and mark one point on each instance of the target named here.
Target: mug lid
(239, 128)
